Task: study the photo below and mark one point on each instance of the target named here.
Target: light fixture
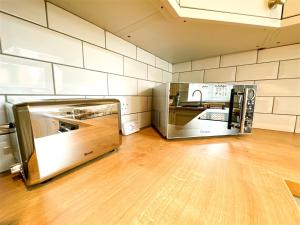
(273, 3)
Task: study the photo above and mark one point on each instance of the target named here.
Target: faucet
(200, 102)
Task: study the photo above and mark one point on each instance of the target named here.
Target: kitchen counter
(225, 180)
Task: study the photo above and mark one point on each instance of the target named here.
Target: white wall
(276, 71)
(46, 51)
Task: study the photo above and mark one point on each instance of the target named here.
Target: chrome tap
(200, 102)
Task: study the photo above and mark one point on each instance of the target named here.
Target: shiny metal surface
(224, 109)
(56, 135)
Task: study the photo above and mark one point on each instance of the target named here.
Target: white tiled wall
(133, 68)
(239, 59)
(32, 10)
(74, 26)
(69, 81)
(145, 57)
(208, 63)
(275, 71)
(59, 55)
(220, 75)
(119, 45)
(25, 76)
(22, 38)
(100, 59)
(193, 76)
(155, 74)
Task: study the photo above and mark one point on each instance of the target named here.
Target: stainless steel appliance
(56, 135)
(182, 110)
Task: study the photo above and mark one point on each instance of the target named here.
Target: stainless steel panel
(198, 109)
(57, 135)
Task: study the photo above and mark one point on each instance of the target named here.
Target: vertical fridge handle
(231, 108)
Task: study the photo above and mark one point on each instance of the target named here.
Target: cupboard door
(291, 8)
(257, 8)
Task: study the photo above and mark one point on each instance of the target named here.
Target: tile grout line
(53, 79)
(278, 69)
(107, 83)
(296, 121)
(82, 52)
(273, 104)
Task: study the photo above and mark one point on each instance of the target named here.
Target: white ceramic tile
(142, 103)
(257, 71)
(130, 117)
(155, 74)
(134, 68)
(182, 67)
(24, 76)
(97, 96)
(32, 10)
(149, 103)
(263, 104)
(162, 64)
(297, 130)
(279, 53)
(220, 75)
(274, 122)
(97, 58)
(289, 69)
(119, 85)
(144, 119)
(175, 77)
(170, 68)
(70, 80)
(132, 104)
(167, 77)
(22, 38)
(194, 76)
(239, 58)
(287, 105)
(208, 63)
(283, 87)
(145, 87)
(74, 26)
(145, 57)
(243, 82)
(119, 45)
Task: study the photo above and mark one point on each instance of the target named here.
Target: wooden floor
(227, 180)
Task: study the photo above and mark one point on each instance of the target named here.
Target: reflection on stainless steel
(223, 109)
(56, 135)
(200, 101)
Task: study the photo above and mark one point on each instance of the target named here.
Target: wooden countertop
(225, 180)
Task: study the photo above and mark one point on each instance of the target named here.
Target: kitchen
(114, 51)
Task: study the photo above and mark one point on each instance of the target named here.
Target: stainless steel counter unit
(56, 135)
(182, 110)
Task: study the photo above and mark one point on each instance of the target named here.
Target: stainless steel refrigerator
(183, 110)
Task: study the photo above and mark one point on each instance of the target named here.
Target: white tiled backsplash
(47, 52)
(276, 71)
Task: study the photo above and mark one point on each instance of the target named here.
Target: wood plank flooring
(226, 180)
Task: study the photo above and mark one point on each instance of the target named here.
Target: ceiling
(151, 26)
